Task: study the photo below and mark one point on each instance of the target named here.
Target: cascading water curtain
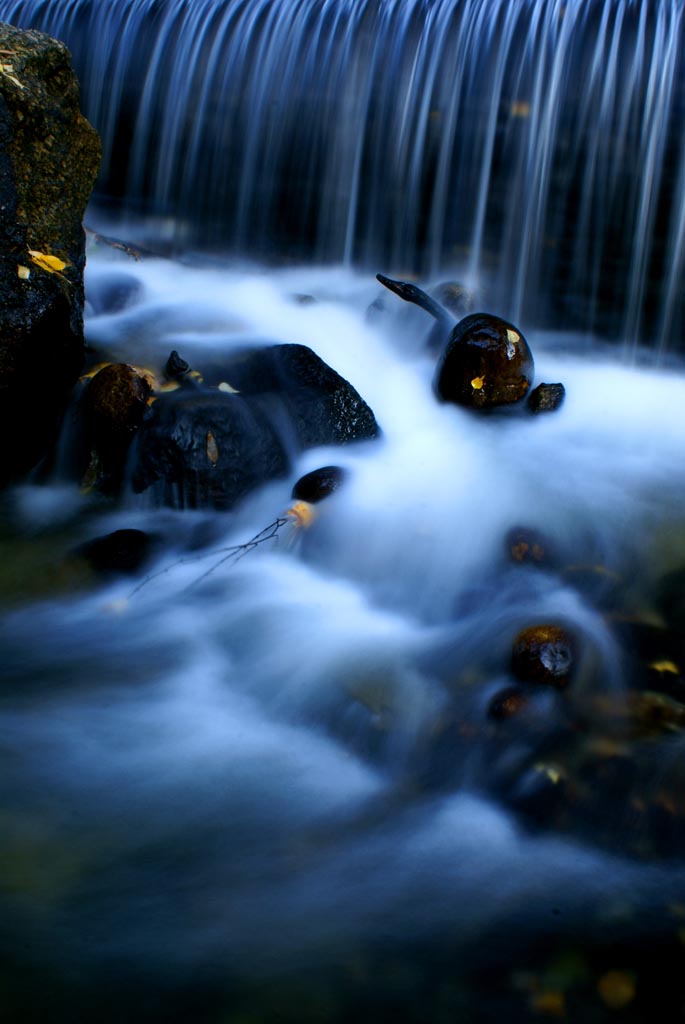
(534, 147)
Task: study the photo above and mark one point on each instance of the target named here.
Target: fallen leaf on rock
(52, 264)
(212, 448)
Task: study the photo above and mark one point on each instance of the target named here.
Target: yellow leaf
(302, 512)
(477, 383)
(8, 71)
(23, 272)
(53, 264)
(212, 448)
(665, 666)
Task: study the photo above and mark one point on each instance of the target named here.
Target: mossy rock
(49, 158)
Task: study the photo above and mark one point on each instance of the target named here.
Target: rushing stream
(248, 769)
(296, 780)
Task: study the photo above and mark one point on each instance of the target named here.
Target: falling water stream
(276, 790)
(535, 144)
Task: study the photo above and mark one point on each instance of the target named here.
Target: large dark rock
(206, 448)
(486, 363)
(49, 158)
(322, 406)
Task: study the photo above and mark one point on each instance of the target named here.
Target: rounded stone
(544, 654)
(486, 363)
(318, 484)
(507, 703)
(117, 401)
(526, 546)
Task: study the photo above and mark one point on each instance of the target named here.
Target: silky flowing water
(236, 776)
(272, 787)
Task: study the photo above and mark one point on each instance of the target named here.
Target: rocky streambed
(413, 724)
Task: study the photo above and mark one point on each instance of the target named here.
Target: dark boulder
(544, 654)
(210, 446)
(526, 546)
(322, 407)
(49, 157)
(206, 448)
(486, 363)
(546, 398)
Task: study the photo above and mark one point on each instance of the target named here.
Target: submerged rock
(113, 292)
(458, 301)
(49, 157)
(527, 546)
(487, 363)
(123, 551)
(544, 654)
(206, 448)
(507, 703)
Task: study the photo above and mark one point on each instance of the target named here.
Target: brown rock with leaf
(49, 158)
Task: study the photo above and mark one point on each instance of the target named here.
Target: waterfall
(533, 147)
(415, 751)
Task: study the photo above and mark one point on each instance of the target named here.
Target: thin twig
(235, 551)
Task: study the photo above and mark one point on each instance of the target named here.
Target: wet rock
(49, 157)
(540, 794)
(114, 405)
(123, 551)
(205, 448)
(322, 407)
(176, 367)
(527, 546)
(113, 292)
(456, 299)
(487, 363)
(544, 654)
(507, 703)
(117, 401)
(318, 484)
(546, 398)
